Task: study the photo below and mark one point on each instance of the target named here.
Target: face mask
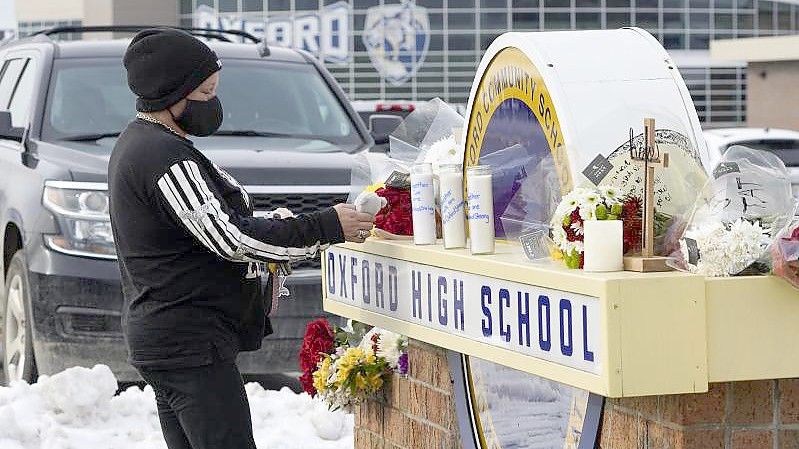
(201, 118)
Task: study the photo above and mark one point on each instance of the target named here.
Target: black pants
(202, 407)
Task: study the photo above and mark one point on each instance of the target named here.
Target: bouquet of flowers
(738, 215)
(351, 365)
(579, 205)
(786, 254)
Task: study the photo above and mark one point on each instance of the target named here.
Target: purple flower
(402, 364)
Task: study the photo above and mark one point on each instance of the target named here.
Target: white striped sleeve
(191, 198)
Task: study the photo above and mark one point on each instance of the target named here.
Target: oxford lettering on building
(553, 325)
(324, 33)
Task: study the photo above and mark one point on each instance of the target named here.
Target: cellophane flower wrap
(738, 215)
(429, 134)
(786, 254)
(356, 366)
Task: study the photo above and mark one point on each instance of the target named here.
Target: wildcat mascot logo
(396, 38)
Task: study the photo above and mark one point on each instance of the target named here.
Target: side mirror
(7, 129)
(380, 126)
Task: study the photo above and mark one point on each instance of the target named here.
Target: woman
(189, 248)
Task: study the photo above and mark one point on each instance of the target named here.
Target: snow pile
(77, 409)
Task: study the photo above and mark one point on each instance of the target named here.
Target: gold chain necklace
(150, 119)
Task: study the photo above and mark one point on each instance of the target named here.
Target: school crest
(396, 38)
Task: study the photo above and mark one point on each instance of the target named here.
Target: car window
(22, 98)
(785, 149)
(10, 75)
(91, 97)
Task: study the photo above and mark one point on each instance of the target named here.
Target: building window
(557, 21)
(525, 21)
(588, 21)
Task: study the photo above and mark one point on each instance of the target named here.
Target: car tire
(17, 339)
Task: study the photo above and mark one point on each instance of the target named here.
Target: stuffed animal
(369, 202)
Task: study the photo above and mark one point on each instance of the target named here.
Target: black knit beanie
(164, 65)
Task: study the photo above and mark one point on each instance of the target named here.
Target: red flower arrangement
(319, 340)
(395, 217)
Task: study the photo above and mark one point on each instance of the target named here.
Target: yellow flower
(351, 358)
(321, 375)
(374, 187)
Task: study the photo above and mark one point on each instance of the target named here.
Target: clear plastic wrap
(738, 215)
(429, 134)
(785, 254)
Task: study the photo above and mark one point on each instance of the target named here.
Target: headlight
(82, 210)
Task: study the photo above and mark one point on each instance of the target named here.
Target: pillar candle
(604, 248)
(480, 202)
(423, 204)
(453, 218)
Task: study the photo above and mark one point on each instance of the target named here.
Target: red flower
(631, 216)
(306, 380)
(395, 217)
(319, 340)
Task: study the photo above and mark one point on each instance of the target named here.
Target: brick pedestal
(415, 412)
(419, 412)
(738, 415)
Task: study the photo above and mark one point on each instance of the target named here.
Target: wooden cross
(650, 158)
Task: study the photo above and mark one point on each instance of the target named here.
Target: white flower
(610, 194)
(726, 250)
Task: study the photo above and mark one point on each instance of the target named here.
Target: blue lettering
(416, 287)
(458, 306)
(380, 300)
(524, 319)
(429, 299)
(331, 273)
(442, 301)
(342, 267)
(504, 301)
(366, 279)
(485, 301)
(566, 347)
(545, 343)
(588, 356)
(393, 295)
(353, 276)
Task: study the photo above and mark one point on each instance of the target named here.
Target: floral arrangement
(350, 365)
(395, 217)
(786, 255)
(579, 205)
(724, 249)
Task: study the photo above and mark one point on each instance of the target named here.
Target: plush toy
(369, 202)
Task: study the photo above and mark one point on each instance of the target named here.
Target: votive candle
(423, 204)
(480, 203)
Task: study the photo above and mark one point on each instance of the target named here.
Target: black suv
(289, 136)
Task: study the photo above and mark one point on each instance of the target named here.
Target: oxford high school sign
(553, 325)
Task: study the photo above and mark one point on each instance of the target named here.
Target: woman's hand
(357, 226)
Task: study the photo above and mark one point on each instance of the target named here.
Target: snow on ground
(77, 409)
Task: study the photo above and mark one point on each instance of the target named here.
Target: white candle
(423, 204)
(453, 217)
(480, 202)
(604, 246)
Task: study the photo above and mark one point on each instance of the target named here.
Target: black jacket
(190, 252)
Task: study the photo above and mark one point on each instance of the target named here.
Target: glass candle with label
(480, 207)
(423, 204)
(453, 217)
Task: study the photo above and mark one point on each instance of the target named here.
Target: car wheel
(18, 360)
